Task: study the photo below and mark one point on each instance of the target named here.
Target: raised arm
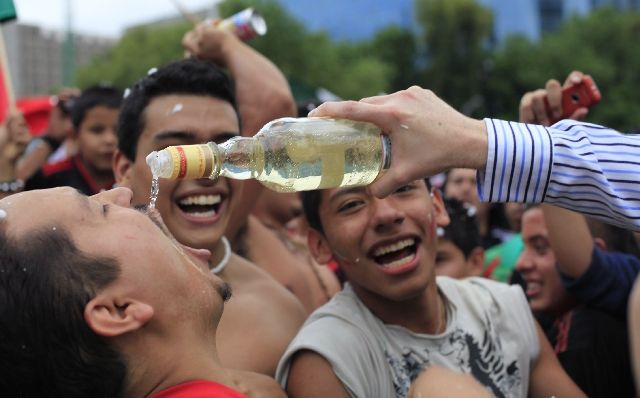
(570, 240)
(580, 166)
(634, 332)
(548, 379)
(262, 91)
(311, 376)
(14, 137)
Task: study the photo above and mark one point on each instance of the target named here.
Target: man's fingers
(539, 108)
(377, 99)
(383, 186)
(526, 112)
(189, 41)
(579, 114)
(554, 98)
(575, 77)
(354, 110)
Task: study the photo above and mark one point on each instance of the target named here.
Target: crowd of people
(512, 275)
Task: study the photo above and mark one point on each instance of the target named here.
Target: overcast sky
(102, 17)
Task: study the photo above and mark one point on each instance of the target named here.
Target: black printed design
(483, 359)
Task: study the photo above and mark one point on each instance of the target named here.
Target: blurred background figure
(459, 251)
(94, 116)
(591, 344)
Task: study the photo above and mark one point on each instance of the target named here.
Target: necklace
(440, 304)
(225, 259)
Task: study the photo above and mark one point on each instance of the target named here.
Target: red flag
(36, 111)
(4, 96)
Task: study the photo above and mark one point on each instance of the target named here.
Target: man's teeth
(400, 262)
(394, 247)
(202, 200)
(533, 285)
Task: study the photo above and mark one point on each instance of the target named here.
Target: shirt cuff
(519, 160)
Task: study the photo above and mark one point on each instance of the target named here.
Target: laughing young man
(394, 318)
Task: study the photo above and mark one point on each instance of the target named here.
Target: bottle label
(191, 161)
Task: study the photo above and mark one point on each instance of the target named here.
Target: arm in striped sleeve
(579, 166)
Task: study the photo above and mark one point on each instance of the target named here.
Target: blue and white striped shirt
(584, 167)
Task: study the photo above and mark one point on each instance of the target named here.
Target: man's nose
(524, 262)
(120, 196)
(386, 214)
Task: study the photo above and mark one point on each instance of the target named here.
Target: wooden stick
(189, 16)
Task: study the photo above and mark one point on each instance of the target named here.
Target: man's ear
(110, 317)
(475, 261)
(600, 244)
(122, 169)
(439, 210)
(318, 246)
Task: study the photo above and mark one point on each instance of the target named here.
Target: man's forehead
(31, 209)
(197, 118)
(177, 104)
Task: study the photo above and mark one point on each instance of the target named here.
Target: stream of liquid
(155, 189)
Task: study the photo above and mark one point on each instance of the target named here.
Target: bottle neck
(238, 158)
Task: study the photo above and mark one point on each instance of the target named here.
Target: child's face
(97, 138)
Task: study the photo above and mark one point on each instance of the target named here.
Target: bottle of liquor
(286, 155)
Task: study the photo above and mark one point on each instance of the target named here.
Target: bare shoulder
(258, 322)
(247, 279)
(255, 385)
(312, 376)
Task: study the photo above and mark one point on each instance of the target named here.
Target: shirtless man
(190, 102)
(263, 94)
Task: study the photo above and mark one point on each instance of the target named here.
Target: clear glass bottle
(286, 155)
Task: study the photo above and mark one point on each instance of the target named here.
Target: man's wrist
(7, 169)
(12, 186)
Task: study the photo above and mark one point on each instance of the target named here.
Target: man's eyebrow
(345, 191)
(174, 135)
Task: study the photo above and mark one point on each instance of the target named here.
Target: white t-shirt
(490, 334)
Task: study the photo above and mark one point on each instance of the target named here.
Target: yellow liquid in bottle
(329, 155)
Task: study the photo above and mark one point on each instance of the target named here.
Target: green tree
(607, 51)
(139, 50)
(456, 36)
(398, 49)
(312, 58)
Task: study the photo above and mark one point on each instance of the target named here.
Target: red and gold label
(191, 161)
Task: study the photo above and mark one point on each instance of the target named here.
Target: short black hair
(101, 95)
(311, 206)
(46, 346)
(185, 77)
(463, 229)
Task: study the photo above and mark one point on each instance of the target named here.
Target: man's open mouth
(396, 254)
(204, 206)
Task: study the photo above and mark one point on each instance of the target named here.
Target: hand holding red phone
(575, 96)
(554, 102)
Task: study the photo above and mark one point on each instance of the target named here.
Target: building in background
(359, 19)
(36, 56)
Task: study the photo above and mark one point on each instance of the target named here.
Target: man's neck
(162, 369)
(424, 313)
